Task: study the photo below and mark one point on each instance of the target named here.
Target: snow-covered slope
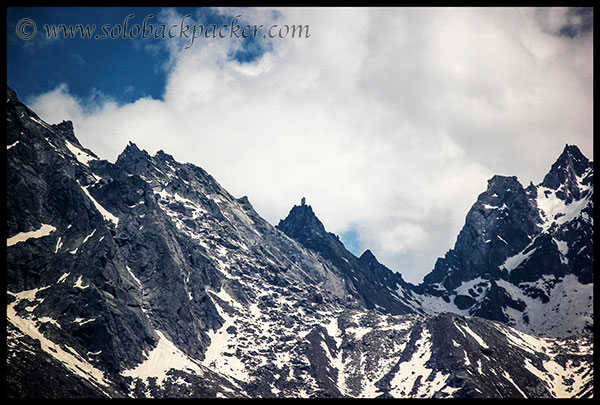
(145, 278)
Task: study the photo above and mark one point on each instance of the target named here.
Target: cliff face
(525, 254)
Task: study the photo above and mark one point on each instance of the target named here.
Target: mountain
(146, 278)
(377, 286)
(524, 255)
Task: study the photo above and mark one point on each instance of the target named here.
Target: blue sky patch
(103, 61)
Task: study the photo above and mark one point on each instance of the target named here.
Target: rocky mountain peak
(369, 262)
(375, 285)
(518, 245)
(568, 174)
(133, 160)
(66, 129)
(572, 158)
(302, 224)
(162, 155)
(64, 126)
(504, 193)
(368, 257)
(132, 152)
(503, 184)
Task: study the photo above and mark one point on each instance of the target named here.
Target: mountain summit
(376, 285)
(303, 225)
(525, 254)
(570, 175)
(146, 278)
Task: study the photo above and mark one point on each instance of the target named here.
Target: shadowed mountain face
(145, 278)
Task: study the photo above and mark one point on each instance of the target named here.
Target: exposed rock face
(525, 254)
(375, 284)
(145, 278)
(502, 213)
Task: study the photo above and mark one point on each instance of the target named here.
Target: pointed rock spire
(368, 256)
(302, 223)
(567, 172)
(132, 159)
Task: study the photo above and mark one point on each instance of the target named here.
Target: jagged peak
(302, 215)
(500, 186)
(570, 164)
(244, 200)
(369, 259)
(65, 125)
(161, 154)
(132, 151)
(573, 152)
(66, 129)
(368, 256)
(131, 144)
(303, 225)
(12, 98)
(499, 180)
(572, 157)
(131, 156)
(245, 203)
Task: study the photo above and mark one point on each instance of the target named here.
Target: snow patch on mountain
(164, 357)
(555, 210)
(44, 230)
(80, 155)
(568, 307)
(515, 261)
(12, 145)
(105, 213)
(64, 354)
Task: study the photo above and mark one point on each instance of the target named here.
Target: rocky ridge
(145, 278)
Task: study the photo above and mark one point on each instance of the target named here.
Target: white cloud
(388, 121)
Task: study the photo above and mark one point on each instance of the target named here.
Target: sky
(388, 121)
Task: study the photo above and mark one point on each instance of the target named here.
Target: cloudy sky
(388, 121)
